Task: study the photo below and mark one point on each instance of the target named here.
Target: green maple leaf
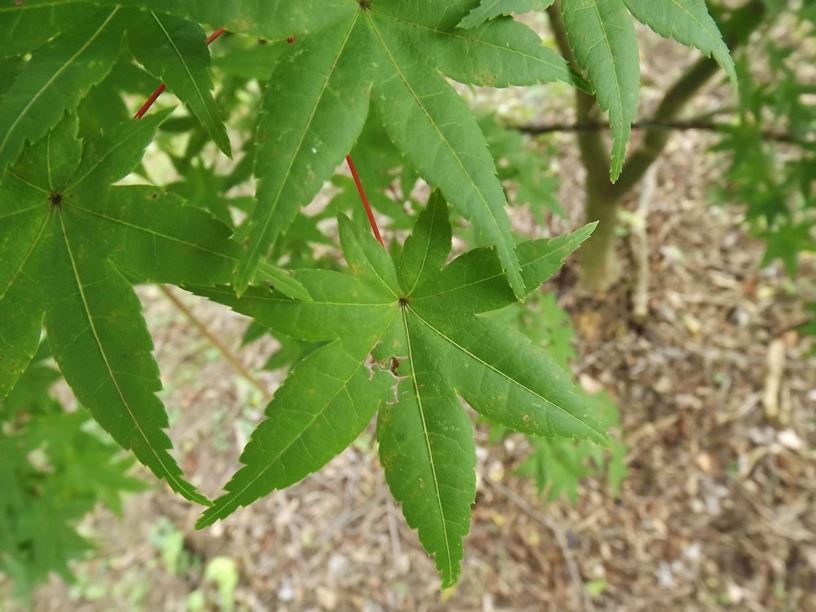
(42, 505)
(603, 40)
(57, 76)
(67, 240)
(421, 319)
(175, 51)
(688, 22)
(397, 56)
(490, 9)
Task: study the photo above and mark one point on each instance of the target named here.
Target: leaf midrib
(427, 252)
(486, 279)
(151, 232)
(619, 129)
(213, 120)
(168, 473)
(415, 384)
(220, 510)
(32, 248)
(28, 183)
(703, 26)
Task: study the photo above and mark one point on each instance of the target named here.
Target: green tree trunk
(600, 267)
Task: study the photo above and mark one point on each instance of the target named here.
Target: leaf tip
(203, 522)
(615, 170)
(225, 146)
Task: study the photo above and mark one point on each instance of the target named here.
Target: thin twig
(560, 538)
(225, 351)
(640, 243)
(773, 381)
(697, 124)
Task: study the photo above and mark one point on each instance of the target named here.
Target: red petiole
(355, 175)
(366, 204)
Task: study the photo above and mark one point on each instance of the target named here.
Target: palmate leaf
(603, 40)
(56, 78)
(175, 51)
(317, 104)
(489, 9)
(422, 315)
(688, 22)
(69, 238)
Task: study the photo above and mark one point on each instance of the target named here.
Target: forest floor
(717, 398)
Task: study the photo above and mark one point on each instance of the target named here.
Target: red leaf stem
(366, 204)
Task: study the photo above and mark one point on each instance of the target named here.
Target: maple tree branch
(222, 348)
(693, 124)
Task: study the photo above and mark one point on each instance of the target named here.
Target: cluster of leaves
(771, 151)
(402, 333)
(55, 466)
